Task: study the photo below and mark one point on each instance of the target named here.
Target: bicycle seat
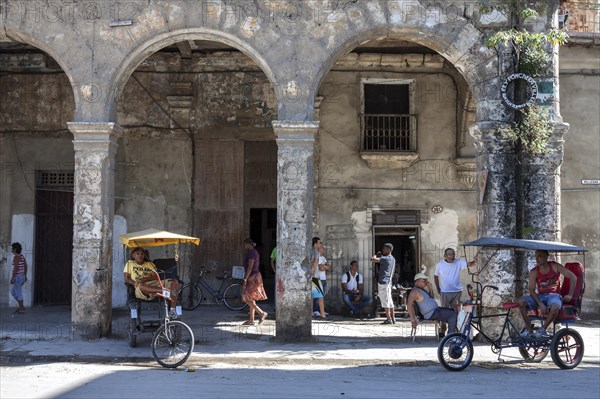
(509, 305)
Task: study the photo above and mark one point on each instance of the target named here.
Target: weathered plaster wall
(169, 104)
(580, 210)
(22, 155)
(455, 224)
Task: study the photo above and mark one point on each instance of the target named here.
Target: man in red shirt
(546, 277)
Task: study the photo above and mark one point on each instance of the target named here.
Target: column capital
(295, 131)
(95, 132)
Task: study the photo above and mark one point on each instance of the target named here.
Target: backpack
(349, 277)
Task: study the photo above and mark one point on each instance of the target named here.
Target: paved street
(91, 380)
(347, 358)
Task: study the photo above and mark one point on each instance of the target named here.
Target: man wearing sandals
(546, 277)
(139, 272)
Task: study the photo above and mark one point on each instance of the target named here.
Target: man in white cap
(422, 294)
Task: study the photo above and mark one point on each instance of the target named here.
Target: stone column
(95, 148)
(541, 190)
(295, 142)
(496, 213)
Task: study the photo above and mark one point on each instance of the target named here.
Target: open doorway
(406, 252)
(263, 230)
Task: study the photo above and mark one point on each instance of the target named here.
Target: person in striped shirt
(19, 276)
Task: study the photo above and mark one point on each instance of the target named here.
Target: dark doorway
(53, 239)
(406, 252)
(263, 230)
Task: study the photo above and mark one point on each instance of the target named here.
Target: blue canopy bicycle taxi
(565, 344)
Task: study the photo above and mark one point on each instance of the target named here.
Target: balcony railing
(580, 18)
(389, 132)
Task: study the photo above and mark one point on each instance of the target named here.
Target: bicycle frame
(513, 337)
(217, 295)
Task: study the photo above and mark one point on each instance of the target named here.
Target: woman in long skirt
(252, 287)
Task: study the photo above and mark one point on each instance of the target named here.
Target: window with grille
(54, 179)
(387, 123)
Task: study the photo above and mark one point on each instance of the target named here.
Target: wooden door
(219, 203)
(53, 247)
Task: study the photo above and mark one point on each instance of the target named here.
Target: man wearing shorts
(387, 264)
(546, 277)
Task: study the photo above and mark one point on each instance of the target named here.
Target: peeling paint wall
(580, 210)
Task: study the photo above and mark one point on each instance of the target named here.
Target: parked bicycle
(191, 295)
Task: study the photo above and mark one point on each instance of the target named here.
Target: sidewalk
(43, 333)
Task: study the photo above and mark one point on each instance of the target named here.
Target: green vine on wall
(530, 133)
(530, 53)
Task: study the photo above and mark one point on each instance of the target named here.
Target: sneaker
(316, 314)
(541, 333)
(526, 334)
(387, 321)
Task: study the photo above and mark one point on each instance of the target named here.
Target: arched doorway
(37, 101)
(199, 152)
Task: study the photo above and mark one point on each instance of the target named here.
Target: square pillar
(295, 142)
(95, 145)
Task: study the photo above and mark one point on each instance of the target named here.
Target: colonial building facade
(359, 122)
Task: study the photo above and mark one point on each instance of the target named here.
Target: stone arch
(479, 66)
(139, 54)
(32, 40)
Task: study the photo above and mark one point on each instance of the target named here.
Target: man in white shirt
(353, 290)
(447, 280)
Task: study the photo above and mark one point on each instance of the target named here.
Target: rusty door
(53, 247)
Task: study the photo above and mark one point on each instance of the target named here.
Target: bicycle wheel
(533, 352)
(172, 344)
(567, 348)
(190, 296)
(455, 352)
(232, 297)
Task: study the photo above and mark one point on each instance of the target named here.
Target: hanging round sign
(533, 90)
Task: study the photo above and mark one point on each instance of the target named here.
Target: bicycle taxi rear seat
(166, 268)
(571, 310)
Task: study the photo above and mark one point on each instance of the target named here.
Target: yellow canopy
(155, 238)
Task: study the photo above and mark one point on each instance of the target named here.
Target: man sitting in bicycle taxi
(139, 273)
(546, 277)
